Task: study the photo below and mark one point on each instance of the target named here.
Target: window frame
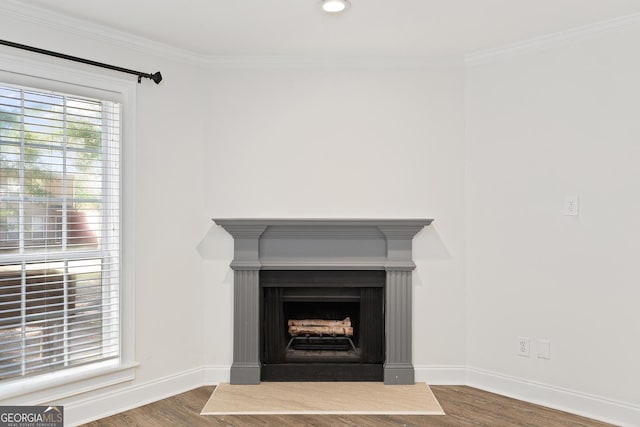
(74, 80)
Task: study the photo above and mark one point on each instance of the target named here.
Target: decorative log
(319, 322)
(321, 330)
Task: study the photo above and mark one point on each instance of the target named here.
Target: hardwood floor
(464, 406)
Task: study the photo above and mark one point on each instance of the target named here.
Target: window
(60, 260)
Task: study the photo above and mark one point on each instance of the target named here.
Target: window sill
(59, 385)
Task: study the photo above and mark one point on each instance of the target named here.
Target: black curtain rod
(156, 77)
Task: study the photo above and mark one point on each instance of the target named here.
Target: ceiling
(425, 28)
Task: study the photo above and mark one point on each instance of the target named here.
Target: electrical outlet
(544, 349)
(571, 206)
(523, 346)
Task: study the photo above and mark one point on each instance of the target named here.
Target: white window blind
(59, 231)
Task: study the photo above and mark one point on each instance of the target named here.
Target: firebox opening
(322, 325)
(322, 330)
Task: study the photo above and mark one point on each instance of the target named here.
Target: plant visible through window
(59, 231)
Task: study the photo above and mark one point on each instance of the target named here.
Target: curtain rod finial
(156, 77)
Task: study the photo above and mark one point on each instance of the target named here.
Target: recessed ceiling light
(334, 6)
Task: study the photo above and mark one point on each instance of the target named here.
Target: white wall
(256, 143)
(499, 261)
(342, 142)
(168, 221)
(541, 125)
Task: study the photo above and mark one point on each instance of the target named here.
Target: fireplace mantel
(322, 244)
(318, 244)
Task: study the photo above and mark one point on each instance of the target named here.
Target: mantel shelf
(321, 222)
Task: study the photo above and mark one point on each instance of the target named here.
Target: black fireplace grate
(321, 343)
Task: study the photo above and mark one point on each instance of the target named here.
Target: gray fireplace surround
(323, 244)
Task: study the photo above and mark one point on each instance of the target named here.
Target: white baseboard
(105, 404)
(441, 375)
(216, 374)
(596, 407)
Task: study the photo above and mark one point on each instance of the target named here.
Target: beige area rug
(327, 398)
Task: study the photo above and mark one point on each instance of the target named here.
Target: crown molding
(549, 40)
(81, 28)
(299, 61)
(98, 32)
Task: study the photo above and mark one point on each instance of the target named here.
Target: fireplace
(295, 277)
(322, 325)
